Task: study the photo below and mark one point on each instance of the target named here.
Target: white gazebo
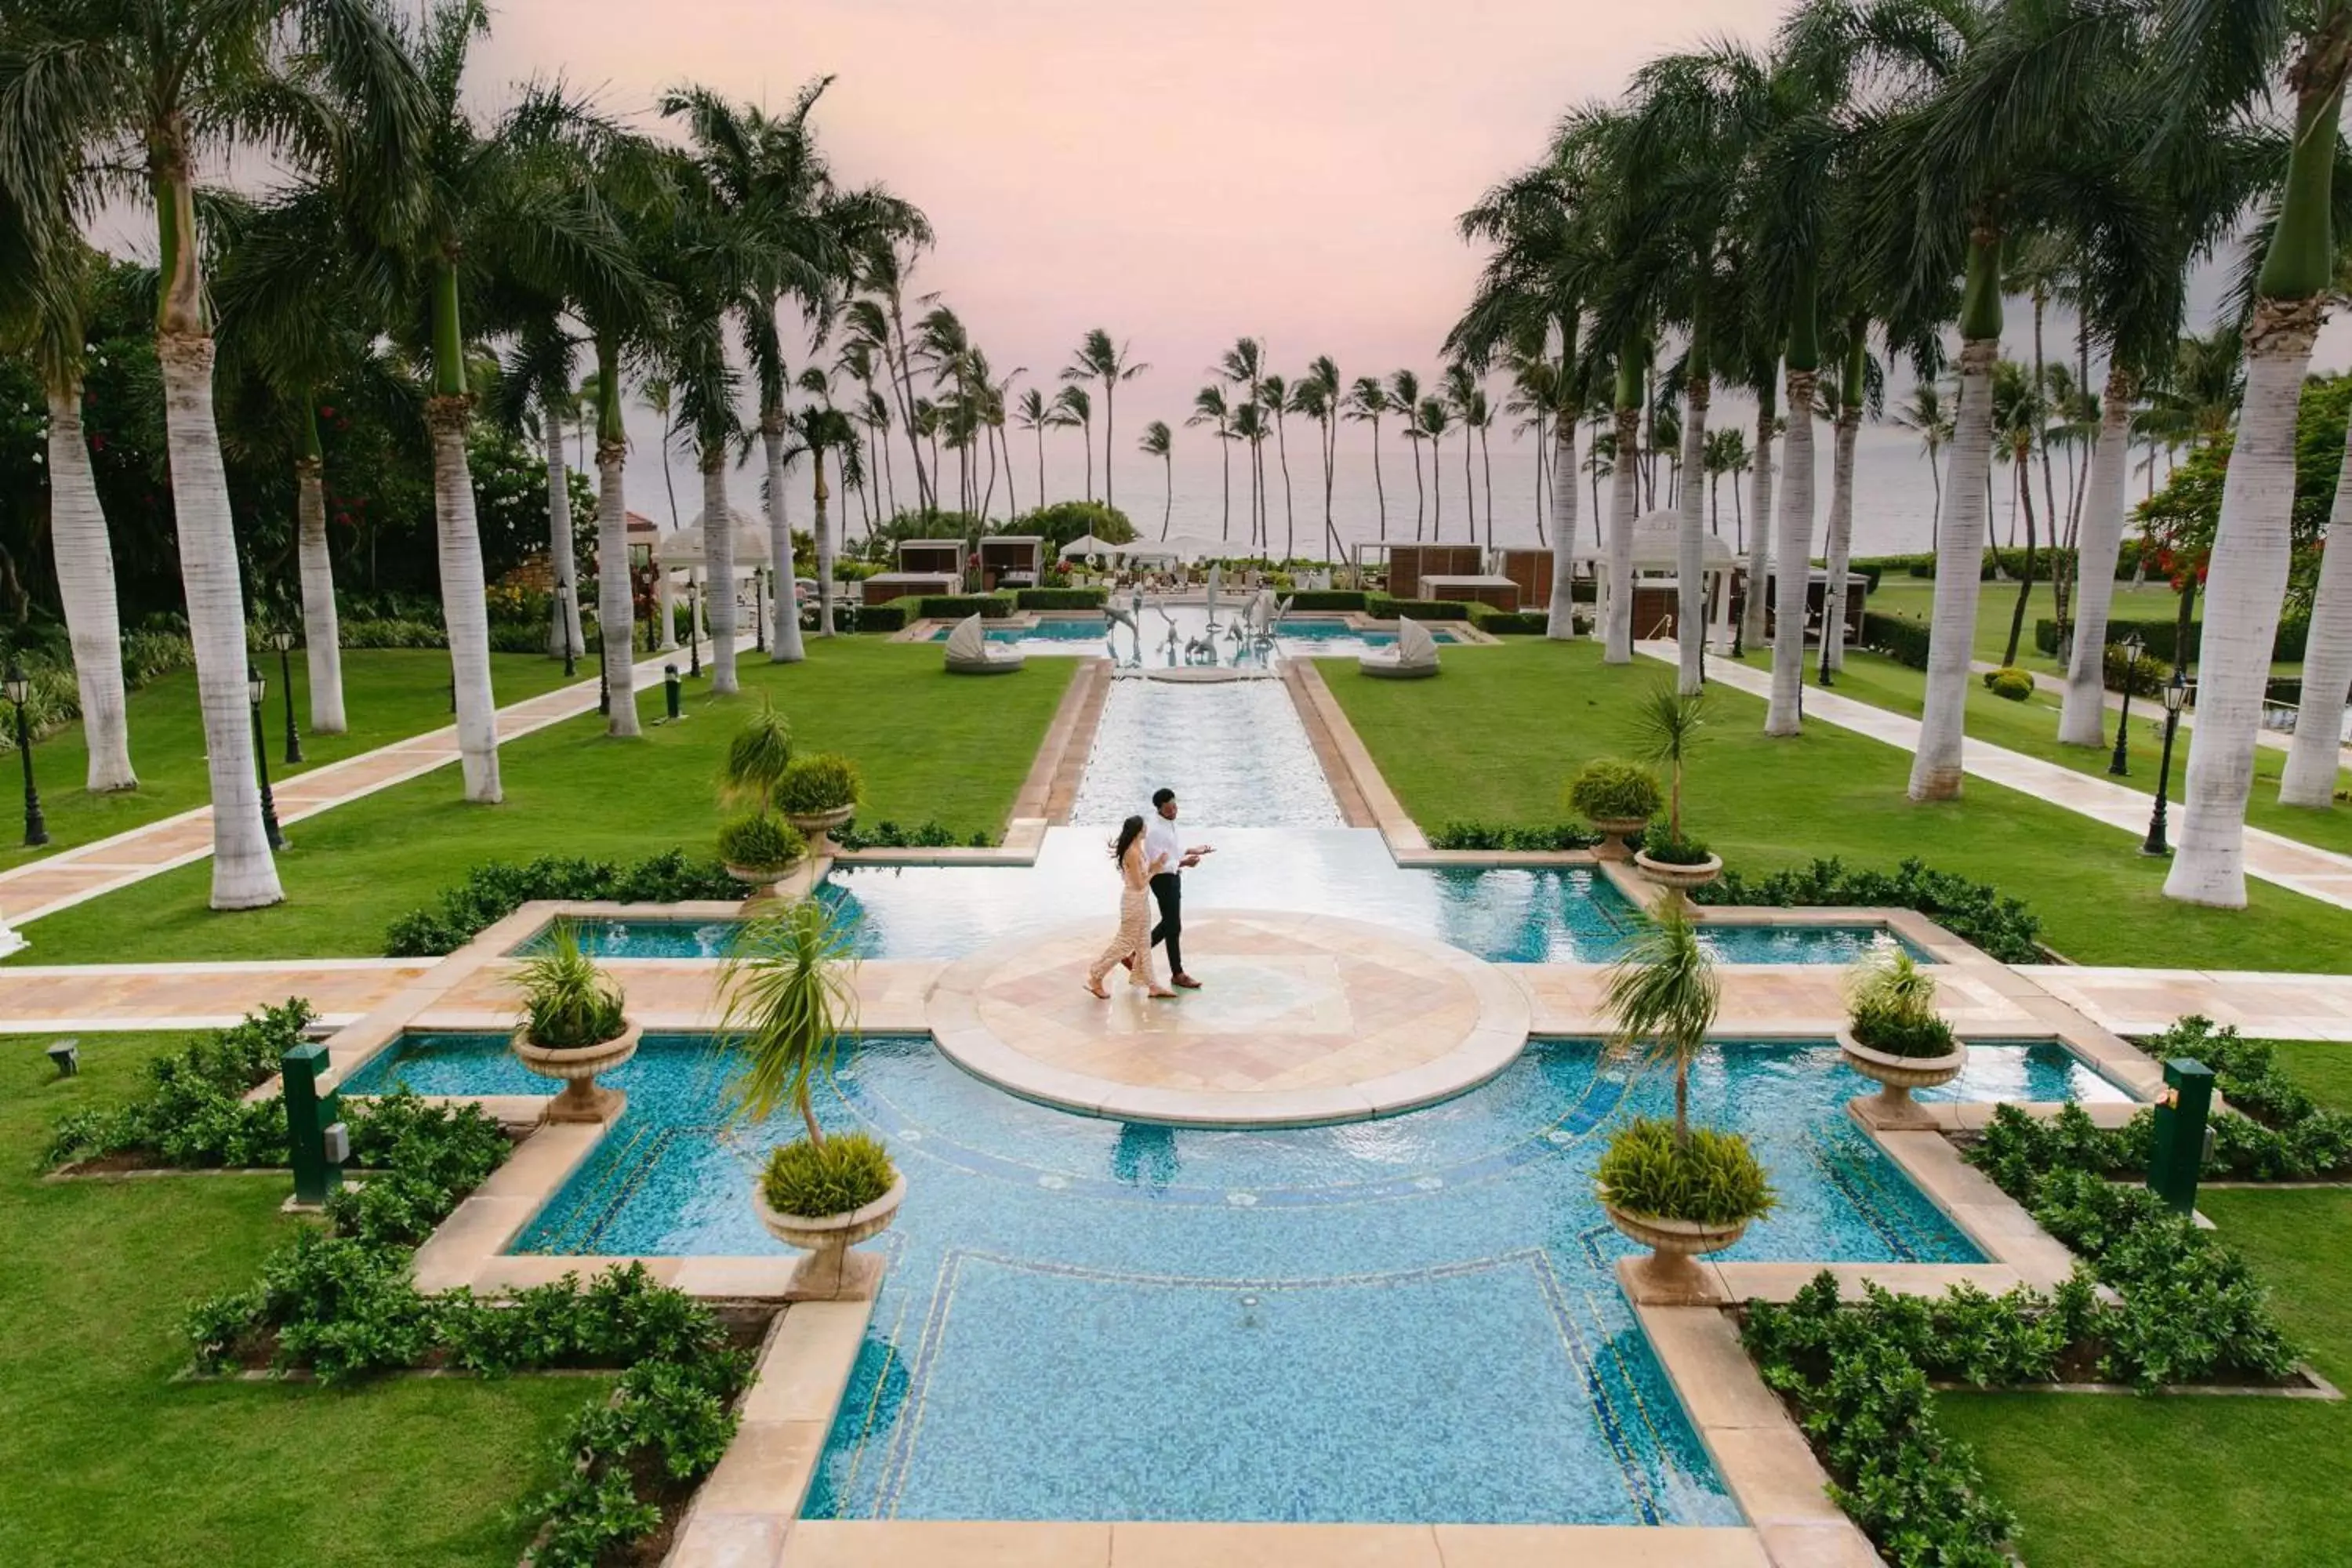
(682, 551)
(1657, 567)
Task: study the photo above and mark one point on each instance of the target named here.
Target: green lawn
(388, 695)
(1494, 738)
(2032, 727)
(112, 1463)
(2123, 1482)
(931, 745)
(2323, 1069)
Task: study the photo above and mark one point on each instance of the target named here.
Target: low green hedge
(2159, 639)
(1382, 607)
(1329, 599)
(496, 889)
(886, 617)
(1061, 598)
(1507, 836)
(194, 1113)
(1509, 622)
(956, 607)
(1903, 640)
(1974, 912)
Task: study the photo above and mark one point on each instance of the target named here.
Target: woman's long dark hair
(1128, 832)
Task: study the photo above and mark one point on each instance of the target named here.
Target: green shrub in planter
(1891, 1007)
(1608, 790)
(1659, 845)
(813, 786)
(759, 841)
(840, 1175)
(2010, 683)
(1712, 1178)
(568, 1003)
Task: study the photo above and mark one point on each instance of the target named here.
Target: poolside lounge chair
(968, 652)
(1413, 657)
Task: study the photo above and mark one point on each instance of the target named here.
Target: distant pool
(1225, 642)
(1412, 1319)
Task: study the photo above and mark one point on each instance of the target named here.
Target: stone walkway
(58, 881)
(2149, 708)
(2316, 873)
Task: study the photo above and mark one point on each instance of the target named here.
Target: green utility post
(2179, 1156)
(314, 1133)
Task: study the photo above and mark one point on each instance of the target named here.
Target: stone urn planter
(1677, 878)
(582, 1099)
(1668, 1276)
(1620, 833)
(1896, 1077)
(813, 827)
(831, 1272)
(760, 878)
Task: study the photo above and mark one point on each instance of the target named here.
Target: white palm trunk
(616, 628)
(1562, 625)
(1792, 563)
(2245, 588)
(1618, 589)
(2315, 753)
(1937, 767)
(784, 614)
(1759, 535)
(465, 609)
(1690, 547)
(85, 561)
(1840, 535)
(322, 649)
(823, 532)
(563, 627)
(719, 566)
(2082, 718)
(245, 876)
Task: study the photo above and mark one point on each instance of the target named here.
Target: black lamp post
(693, 626)
(282, 640)
(563, 628)
(37, 831)
(759, 609)
(2119, 763)
(603, 675)
(255, 688)
(2175, 695)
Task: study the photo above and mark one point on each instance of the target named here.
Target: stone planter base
(1676, 878)
(831, 1272)
(1668, 1278)
(582, 1099)
(757, 879)
(1621, 832)
(815, 828)
(1891, 1109)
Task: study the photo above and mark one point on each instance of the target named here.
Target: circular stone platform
(1301, 1020)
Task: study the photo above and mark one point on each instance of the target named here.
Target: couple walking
(1151, 860)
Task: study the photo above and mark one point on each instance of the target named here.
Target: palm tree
(1277, 406)
(1244, 368)
(1078, 413)
(1924, 416)
(1209, 407)
(86, 86)
(1434, 420)
(1160, 442)
(1037, 416)
(1366, 403)
(2018, 416)
(1404, 400)
(883, 267)
(1855, 398)
(1098, 360)
(1662, 993)
(817, 428)
(1726, 453)
(1317, 396)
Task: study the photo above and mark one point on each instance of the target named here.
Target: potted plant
(760, 846)
(1894, 1036)
(1618, 798)
(817, 795)
(1665, 728)
(574, 1029)
(1679, 1190)
(790, 999)
(756, 758)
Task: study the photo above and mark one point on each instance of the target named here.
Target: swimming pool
(1225, 644)
(1412, 1319)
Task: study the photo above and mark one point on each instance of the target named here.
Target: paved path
(58, 881)
(2149, 708)
(2316, 873)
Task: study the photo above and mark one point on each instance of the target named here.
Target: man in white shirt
(1161, 848)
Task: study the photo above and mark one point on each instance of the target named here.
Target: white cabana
(684, 549)
(1184, 547)
(1657, 561)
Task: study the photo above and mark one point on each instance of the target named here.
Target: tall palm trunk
(1624, 476)
(1561, 626)
(1289, 510)
(1380, 485)
(1841, 525)
(1937, 767)
(321, 636)
(2083, 719)
(823, 532)
(1041, 465)
(1690, 537)
(1225, 532)
(85, 562)
(2315, 752)
(2023, 461)
(785, 645)
(926, 485)
(1420, 497)
(1110, 412)
(1168, 502)
(1486, 470)
(719, 566)
(563, 630)
(616, 627)
(464, 610)
(1760, 543)
(244, 874)
(1792, 556)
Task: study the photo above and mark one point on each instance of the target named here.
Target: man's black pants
(1168, 888)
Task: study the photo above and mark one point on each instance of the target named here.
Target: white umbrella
(683, 548)
(1087, 544)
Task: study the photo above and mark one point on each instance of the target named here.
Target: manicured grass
(1498, 735)
(112, 1462)
(2323, 1069)
(389, 694)
(1914, 598)
(2032, 727)
(2122, 1482)
(931, 745)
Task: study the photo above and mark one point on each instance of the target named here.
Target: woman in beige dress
(1132, 945)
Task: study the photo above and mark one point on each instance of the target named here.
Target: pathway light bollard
(758, 610)
(2175, 695)
(257, 689)
(2183, 1137)
(67, 1055)
(317, 1142)
(37, 829)
(669, 688)
(2119, 765)
(282, 640)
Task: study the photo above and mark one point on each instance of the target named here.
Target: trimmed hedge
(890, 617)
(1382, 607)
(1329, 599)
(956, 607)
(1061, 598)
(2158, 639)
(1974, 912)
(1509, 622)
(496, 889)
(1902, 640)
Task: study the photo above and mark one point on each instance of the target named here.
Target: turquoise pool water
(1409, 1318)
(1299, 636)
